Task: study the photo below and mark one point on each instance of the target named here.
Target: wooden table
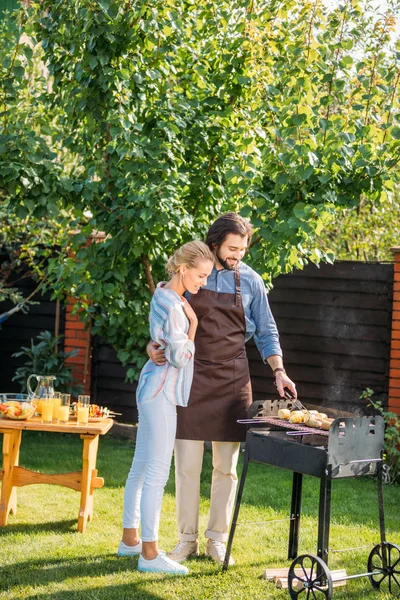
(84, 481)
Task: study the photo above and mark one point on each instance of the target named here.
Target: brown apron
(221, 389)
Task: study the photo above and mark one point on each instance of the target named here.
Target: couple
(225, 304)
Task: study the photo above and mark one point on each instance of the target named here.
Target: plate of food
(96, 413)
(17, 410)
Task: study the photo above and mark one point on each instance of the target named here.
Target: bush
(392, 439)
(45, 358)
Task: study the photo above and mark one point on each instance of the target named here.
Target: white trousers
(150, 468)
(188, 465)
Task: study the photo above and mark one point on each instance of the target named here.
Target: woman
(173, 325)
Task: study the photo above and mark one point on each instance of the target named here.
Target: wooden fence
(20, 328)
(335, 328)
(109, 387)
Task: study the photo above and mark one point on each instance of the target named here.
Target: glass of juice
(83, 410)
(56, 406)
(36, 401)
(47, 409)
(63, 409)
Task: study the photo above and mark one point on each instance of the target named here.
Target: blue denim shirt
(259, 319)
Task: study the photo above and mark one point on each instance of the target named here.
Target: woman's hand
(189, 312)
(155, 353)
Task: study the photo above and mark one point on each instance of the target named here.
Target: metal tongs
(296, 402)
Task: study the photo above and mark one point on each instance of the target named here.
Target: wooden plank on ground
(280, 577)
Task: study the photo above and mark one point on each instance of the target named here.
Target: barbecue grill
(352, 447)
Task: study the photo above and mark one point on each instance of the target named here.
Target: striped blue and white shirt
(168, 327)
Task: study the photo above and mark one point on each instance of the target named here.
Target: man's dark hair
(226, 224)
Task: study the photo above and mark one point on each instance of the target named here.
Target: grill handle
(364, 460)
(361, 460)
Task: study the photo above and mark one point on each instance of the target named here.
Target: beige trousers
(188, 465)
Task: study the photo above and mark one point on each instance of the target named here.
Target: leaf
(299, 119)
(305, 173)
(395, 131)
(104, 5)
(282, 178)
(19, 72)
(313, 158)
(22, 212)
(298, 210)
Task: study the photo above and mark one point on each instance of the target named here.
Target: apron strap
(238, 291)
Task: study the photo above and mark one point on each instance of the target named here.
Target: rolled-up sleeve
(179, 349)
(266, 335)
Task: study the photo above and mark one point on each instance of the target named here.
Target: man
(231, 308)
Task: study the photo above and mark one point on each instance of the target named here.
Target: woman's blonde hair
(189, 254)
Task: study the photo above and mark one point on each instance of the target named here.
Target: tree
(32, 184)
(365, 232)
(174, 112)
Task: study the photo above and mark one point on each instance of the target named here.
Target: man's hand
(155, 353)
(282, 381)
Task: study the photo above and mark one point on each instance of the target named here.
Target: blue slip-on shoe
(161, 564)
(124, 550)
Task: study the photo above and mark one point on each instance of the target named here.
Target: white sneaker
(216, 551)
(161, 564)
(124, 550)
(183, 550)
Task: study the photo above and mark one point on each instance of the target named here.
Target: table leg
(8, 501)
(89, 473)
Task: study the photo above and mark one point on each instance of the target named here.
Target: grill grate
(282, 424)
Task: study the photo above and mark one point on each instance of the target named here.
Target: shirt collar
(161, 289)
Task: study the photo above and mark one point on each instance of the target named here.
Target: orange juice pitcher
(44, 386)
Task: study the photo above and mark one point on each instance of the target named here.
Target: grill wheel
(315, 583)
(385, 558)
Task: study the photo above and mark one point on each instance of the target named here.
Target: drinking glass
(63, 409)
(83, 410)
(56, 406)
(47, 409)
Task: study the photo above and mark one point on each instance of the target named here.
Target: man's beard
(225, 264)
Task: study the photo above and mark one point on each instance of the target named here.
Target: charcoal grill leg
(295, 511)
(236, 511)
(324, 514)
(379, 476)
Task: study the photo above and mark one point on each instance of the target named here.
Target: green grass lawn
(43, 556)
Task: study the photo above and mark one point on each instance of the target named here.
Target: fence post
(394, 374)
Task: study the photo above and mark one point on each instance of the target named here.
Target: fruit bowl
(15, 410)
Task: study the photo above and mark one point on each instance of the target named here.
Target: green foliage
(366, 232)
(24, 247)
(392, 438)
(31, 182)
(163, 116)
(45, 358)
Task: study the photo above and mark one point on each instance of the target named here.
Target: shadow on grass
(122, 592)
(43, 572)
(67, 526)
